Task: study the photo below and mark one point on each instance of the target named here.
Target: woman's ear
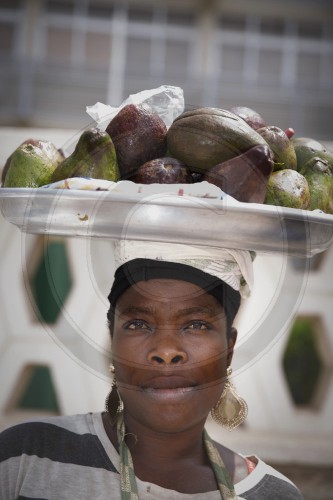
(232, 337)
(110, 318)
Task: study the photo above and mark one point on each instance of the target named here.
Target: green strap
(224, 482)
(128, 486)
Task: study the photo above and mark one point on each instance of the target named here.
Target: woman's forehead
(168, 290)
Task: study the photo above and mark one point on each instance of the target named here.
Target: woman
(170, 321)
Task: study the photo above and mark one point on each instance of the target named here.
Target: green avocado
(318, 173)
(307, 148)
(55, 155)
(288, 188)
(94, 156)
(29, 166)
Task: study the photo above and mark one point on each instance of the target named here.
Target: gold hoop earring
(113, 402)
(231, 410)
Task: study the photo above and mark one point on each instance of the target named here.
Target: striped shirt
(71, 458)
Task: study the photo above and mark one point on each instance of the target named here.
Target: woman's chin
(168, 410)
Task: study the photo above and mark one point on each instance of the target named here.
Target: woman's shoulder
(38, 426)
(49, 437)
(254, 479)
(66, 449)
(263, 481)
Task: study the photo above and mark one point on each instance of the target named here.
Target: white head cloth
(231, 266)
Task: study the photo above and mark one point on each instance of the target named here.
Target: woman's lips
(176, 393)
(169, 387)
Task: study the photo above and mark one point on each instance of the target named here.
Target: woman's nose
(167, 351)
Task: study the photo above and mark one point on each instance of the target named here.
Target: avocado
(288, 188)
(252, 117)
(307, 148)
(30, 166)
(139, 135)
(94, 157)
(282, 147)
(205, 137)
(244, 177)
(318, 173)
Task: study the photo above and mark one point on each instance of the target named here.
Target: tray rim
(166, 199)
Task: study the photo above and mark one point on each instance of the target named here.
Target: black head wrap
(137, 270)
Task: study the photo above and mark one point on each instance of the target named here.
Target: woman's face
(170, 352)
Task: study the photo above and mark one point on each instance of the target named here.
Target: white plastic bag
(166, 101)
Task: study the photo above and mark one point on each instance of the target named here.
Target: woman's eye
(136, 324)
(197, 325)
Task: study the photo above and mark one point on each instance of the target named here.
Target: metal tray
(168, 217)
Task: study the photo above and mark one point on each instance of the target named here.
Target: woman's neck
(167, 446)
(173, 460)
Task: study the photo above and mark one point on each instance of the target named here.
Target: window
(34, 391)
(140, 14)
(138, 56)
(272, 26)
(98, 50)
(100, 11)
(180, 18)
(233, 22)
(176, 59)
(51, 281)
(232, 61)
(309, 30)
(7, 37)
(302, 361)
(39, 392)
(270, 62)
(59, 42)
(11, 4)
(60, 6)
(308, 69)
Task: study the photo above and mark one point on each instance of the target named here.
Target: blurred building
(57, 56)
